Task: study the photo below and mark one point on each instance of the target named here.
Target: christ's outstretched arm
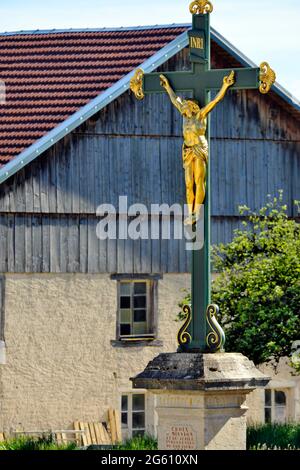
(177, 102)
(227, 83)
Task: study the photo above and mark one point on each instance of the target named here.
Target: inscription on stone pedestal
(181, 438)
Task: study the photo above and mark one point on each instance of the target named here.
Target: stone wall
(60, 364)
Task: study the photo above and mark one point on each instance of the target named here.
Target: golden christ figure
(195, 146)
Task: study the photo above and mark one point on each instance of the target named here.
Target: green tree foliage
(258, 289)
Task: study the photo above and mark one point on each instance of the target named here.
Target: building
(80, 316)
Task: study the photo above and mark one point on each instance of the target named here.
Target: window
(133, 414)
(137, 307)
(133, 308)
(275, 406)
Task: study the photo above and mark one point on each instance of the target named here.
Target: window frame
(151, 304)
(129, 430)
(132, 308)
(273, 406)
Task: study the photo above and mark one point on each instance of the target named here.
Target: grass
(259, 437)
(48, 443)
(139, 443)
(274, 436)
(30, 443)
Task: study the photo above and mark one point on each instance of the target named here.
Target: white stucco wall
(60, 364)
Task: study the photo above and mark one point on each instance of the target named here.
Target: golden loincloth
(189, 154)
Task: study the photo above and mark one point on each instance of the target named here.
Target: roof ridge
(95, 30)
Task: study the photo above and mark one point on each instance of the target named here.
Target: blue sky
(261, 29)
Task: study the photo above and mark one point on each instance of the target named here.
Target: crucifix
(201, 331)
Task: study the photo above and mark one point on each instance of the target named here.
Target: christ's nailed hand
(229, 80)
(164, 81)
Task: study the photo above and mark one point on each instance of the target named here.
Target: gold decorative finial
(183, 336)
(215, 340)
(200, 7)
(136, 84)
(267, 77)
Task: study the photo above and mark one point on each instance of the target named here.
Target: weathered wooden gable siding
(60, 243)
(47, 210)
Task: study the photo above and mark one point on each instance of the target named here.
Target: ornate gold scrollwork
(200, 7)
(215, 340)
(183, 336)
(267, 77)
(136, 84)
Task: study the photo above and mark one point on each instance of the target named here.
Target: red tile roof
(49, 76)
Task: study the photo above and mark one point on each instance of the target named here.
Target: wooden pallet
(95, 434)
(89, 433)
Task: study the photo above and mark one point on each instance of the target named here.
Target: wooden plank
(3, 243)
(118, 425)
(84, 436)
(98, 151)
(64, 237)
(12, 194)
(83, 179)
(73, 245)
(52, 189)
(58, 438)
(92, 433)
(107, 438)
(44, 183)
(28, 244)
(112, 425)
(93, 255)
(20, 184)
(36, 185)
(88, 434)
(19, 243)
(36, 244)
(4, 197)
(74, 170)
(90, 162)
(67, 162)
(102, 433)
(83, 247)
(55, 245)
(11, 243)
(46, 244)
(61, 176)
(79, 436)
(98, 434)
(2, 437)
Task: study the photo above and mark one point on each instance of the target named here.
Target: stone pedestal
(200, 399)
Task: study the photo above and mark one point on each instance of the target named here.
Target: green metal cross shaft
(200, 81)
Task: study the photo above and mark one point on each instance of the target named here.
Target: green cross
(200, 81)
